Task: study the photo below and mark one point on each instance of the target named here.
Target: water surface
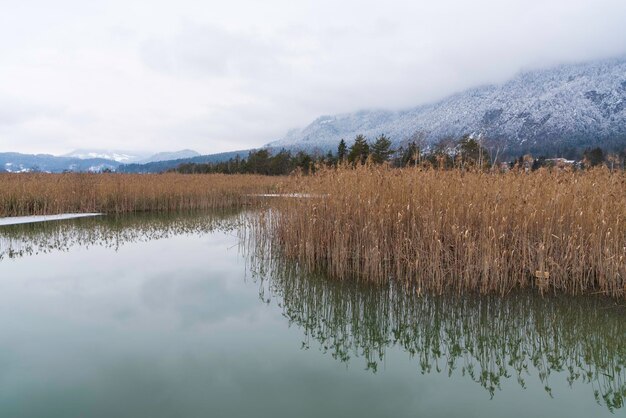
(172, 316)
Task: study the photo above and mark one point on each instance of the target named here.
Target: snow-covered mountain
(166, 156)
(569, 106)
(14, 162)
(130, 157)
(84, 160)
(125, 157)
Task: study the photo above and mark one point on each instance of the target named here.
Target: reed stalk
(43, 194)
(556, 231)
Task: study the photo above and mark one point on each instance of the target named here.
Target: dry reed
(456, 231)
(40, 194)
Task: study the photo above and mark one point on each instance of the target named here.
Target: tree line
(464, 153)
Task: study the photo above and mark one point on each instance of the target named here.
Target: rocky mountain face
(570, 107)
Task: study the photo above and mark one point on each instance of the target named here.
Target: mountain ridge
(567, 106)
(130, 157)
(15, 162)
(85, 160)
(121, 156)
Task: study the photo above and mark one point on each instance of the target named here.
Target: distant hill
(166, 156)
(160, 166)
(108, 154)
(14, 162)
(543, 112)
(88, 160)
(129, 157)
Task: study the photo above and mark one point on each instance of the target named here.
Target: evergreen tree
(258, 162)
(280, 163)
(410, 155)
(330, 159)
(441, 155)
(593, 157)
(381, 149)
(342, 150)
(471, 152)
(304, 162)
(359, 151)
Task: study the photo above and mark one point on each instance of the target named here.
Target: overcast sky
(223, 75)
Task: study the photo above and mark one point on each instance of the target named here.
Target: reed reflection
(110, 231)
(561, 340)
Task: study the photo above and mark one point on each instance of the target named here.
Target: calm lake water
(174, 316)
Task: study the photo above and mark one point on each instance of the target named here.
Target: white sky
(215, 76)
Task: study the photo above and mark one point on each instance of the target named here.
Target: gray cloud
(203, 50)
(219, 76)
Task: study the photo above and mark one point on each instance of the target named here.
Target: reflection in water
(490, 340)
(110, 231)
(486, 339)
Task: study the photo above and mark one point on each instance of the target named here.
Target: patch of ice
(16, 220)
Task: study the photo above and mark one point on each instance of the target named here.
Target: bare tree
(415, 143)
(495, 146)
(613, 159)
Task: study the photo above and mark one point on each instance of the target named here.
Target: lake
(180, 316)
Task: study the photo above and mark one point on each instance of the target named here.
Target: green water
(176, 316)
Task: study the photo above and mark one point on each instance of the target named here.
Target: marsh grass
(42, 194)
(455, 230)
(431, 230)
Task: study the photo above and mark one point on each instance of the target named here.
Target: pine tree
(381, 149)
(593, 157)
(342, 150)
(359, 151)
(410, 155)
(471, 152)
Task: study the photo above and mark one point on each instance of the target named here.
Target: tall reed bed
(457, 231)
(39, 194)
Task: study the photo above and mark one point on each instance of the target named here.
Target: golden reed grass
(454, 231)
(40, 194)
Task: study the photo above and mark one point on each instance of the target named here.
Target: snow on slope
(570, 105)
(130, 157)
(166, 156)
(125, 157)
